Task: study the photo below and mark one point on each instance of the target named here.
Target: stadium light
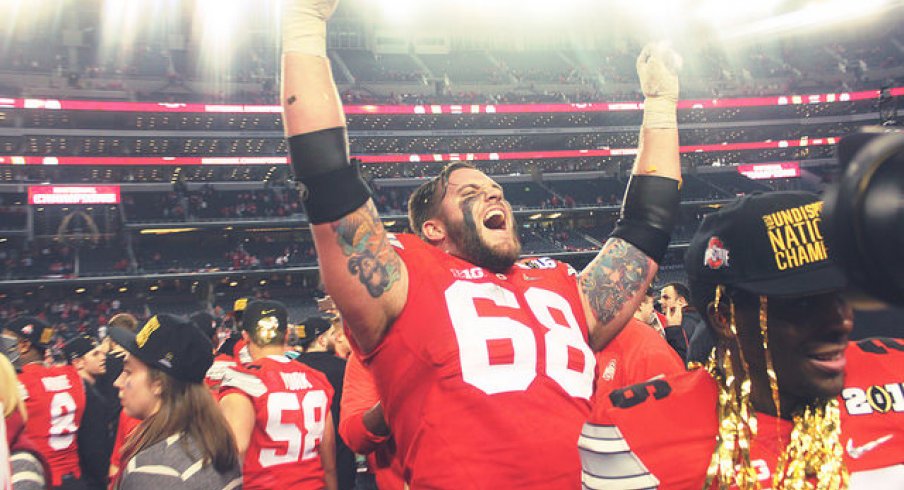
(122, 23)
(219, 22)
(466, 11)
(726, 13)
(399, 11)
(813, 16)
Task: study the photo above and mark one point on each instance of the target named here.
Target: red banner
(442, 109)
(72, 194)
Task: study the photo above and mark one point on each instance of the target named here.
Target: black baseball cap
(312, 328)
(78, 346)
(171, 344)
(768, 244)
(265, 319)
(205, 321)
(32, 328)
(238, 308)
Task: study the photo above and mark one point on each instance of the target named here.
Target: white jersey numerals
(300, 426)
(563, 340)
(62, 421)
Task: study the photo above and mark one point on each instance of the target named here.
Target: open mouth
(494, 220)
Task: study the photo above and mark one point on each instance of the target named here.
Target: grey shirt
(27, 471)
(167, 465)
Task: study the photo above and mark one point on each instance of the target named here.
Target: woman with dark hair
(183, 441)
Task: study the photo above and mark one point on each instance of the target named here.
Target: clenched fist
(304, 25)
(657, 68)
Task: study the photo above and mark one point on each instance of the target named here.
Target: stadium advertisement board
(765, 171)
(70, 194)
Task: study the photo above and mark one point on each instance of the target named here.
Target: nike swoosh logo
(857, 451)
(531, 278)
(267, 312)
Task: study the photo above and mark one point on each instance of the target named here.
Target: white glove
(657, 68)
(304, 25)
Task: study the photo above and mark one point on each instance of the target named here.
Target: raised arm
(359, 268)
(613, 284)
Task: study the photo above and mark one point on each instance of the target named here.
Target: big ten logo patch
(795, 236)
(874, 399)
(468, 274)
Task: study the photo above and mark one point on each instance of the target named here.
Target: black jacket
(334, 369)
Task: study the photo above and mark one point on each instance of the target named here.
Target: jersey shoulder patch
(636, 394)
(537, 263)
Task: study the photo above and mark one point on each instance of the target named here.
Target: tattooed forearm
(370, 256)
(614, 277)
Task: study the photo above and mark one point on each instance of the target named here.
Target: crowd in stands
(48, 260)
(70, 315)
(207, 203)
(589, 75)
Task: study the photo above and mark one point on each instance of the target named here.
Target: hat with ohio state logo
(37, 331)
(767, 244)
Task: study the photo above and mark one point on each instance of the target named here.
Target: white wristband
(660, 113)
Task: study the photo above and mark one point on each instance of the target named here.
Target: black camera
(864, 213)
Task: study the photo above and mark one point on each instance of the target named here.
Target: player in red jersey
(787, 401)
(639, 353)
(363, 426)
(208, 324)
(279, 410)
(483, 365)
(54, 399)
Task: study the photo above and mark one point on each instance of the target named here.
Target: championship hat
(171, 344)
(767, 244)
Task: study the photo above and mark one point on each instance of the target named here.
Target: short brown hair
(424, 201)
(124, 320)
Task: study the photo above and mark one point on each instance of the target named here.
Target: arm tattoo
(370, 256)
(614, 276)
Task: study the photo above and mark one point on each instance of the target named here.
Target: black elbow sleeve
(649, 213)
(332, 187)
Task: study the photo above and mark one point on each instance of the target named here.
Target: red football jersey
(55, 402)
(291, 404)
(662, 433)
(486, 378)
(638, 353)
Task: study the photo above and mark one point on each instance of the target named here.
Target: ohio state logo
(716, 255)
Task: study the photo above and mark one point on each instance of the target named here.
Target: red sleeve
(124, 430)
(635, 355)
(359, 394)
